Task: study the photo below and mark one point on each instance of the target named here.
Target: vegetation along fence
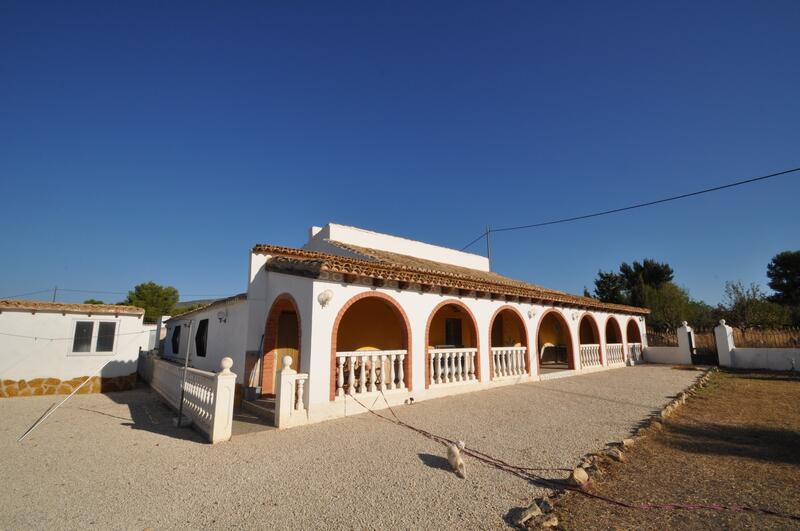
(667, 338)
(770, 338)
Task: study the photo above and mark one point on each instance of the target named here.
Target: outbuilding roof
(385, 265)
(43, 306)
(210, 306)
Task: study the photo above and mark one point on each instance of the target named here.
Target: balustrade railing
(614, 353)
(452, 365)
(508, 361)
(590, 355)
(207, 397)
(635, 351)
(368, 371)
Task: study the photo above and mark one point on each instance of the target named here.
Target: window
(105, 337)
(201, 338)
(452, 332)
(83, 336)
(176, 340)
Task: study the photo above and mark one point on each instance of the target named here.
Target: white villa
(358, 313)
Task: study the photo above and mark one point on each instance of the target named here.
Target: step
(262, 407)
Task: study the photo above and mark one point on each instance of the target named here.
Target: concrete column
(723, 334)
(684, 346)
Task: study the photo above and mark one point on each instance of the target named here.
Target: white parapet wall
(680, 355)
(775, 359)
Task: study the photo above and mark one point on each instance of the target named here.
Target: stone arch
(405, 333)
(474, 339)
(589, 333)
(279, 336)
(562, 331)
(523, 333)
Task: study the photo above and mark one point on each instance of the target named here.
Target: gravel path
(114, 461)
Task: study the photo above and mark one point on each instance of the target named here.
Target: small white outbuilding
(50, 348)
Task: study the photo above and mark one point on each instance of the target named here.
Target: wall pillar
(684, 346)
(723, 334)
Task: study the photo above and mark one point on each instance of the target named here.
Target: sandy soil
(114, 461)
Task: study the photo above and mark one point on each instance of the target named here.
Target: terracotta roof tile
(387, 265)
(43, 306)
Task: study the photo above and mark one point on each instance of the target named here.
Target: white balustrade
(614, 353)
(207, 398)
(452, 365)
(635, 351)
(590, 355)
(508, 361)
(369, 371)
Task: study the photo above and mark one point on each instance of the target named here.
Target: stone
(615, 454)
(52, 381)
(22, 384)
(50, 390)
(527, 514)
(551, 521)
(627, 443)
(64, 389)
(36, 382)
(25, 392)
(38, 391)
(11, 391)
(579, 477)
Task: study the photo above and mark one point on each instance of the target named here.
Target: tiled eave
(312, 264)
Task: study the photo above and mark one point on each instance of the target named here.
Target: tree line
(156, 300)
(650, 284)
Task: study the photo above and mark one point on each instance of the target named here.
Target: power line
(126, 292)
(631, 207)
(26, 294)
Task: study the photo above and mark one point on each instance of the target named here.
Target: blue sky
(161, 141)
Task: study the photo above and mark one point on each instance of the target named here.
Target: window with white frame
(101, 336)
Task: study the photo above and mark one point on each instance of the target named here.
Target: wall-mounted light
(531, 313)
(222, 316)
(325, 297)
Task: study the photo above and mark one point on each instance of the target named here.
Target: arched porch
(281, 338)
(554, 343)
(633, 336)
(452, 345)
(508, 352)
(371, 346)
(614, 352)
(589, 337)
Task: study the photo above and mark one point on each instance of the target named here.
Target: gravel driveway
(114, 461)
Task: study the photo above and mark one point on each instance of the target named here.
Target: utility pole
(55, 290)
(488, 247)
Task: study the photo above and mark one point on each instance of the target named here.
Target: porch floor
(115, 460)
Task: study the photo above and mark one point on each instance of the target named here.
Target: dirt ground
(735, 443)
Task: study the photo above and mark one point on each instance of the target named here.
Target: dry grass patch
(736, 442)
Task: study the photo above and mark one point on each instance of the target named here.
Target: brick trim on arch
(596, 329)
(428, 336)
(269, 364)
(570, 347)
(521, 322)
(404, 325)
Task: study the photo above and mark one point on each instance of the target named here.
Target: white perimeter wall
(24, 358)
(775, 359)
(226, 338)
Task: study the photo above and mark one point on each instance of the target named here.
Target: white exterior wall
(418, 307)
(225, 338)
(387, 242)
(775, 359)
(51, 356)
